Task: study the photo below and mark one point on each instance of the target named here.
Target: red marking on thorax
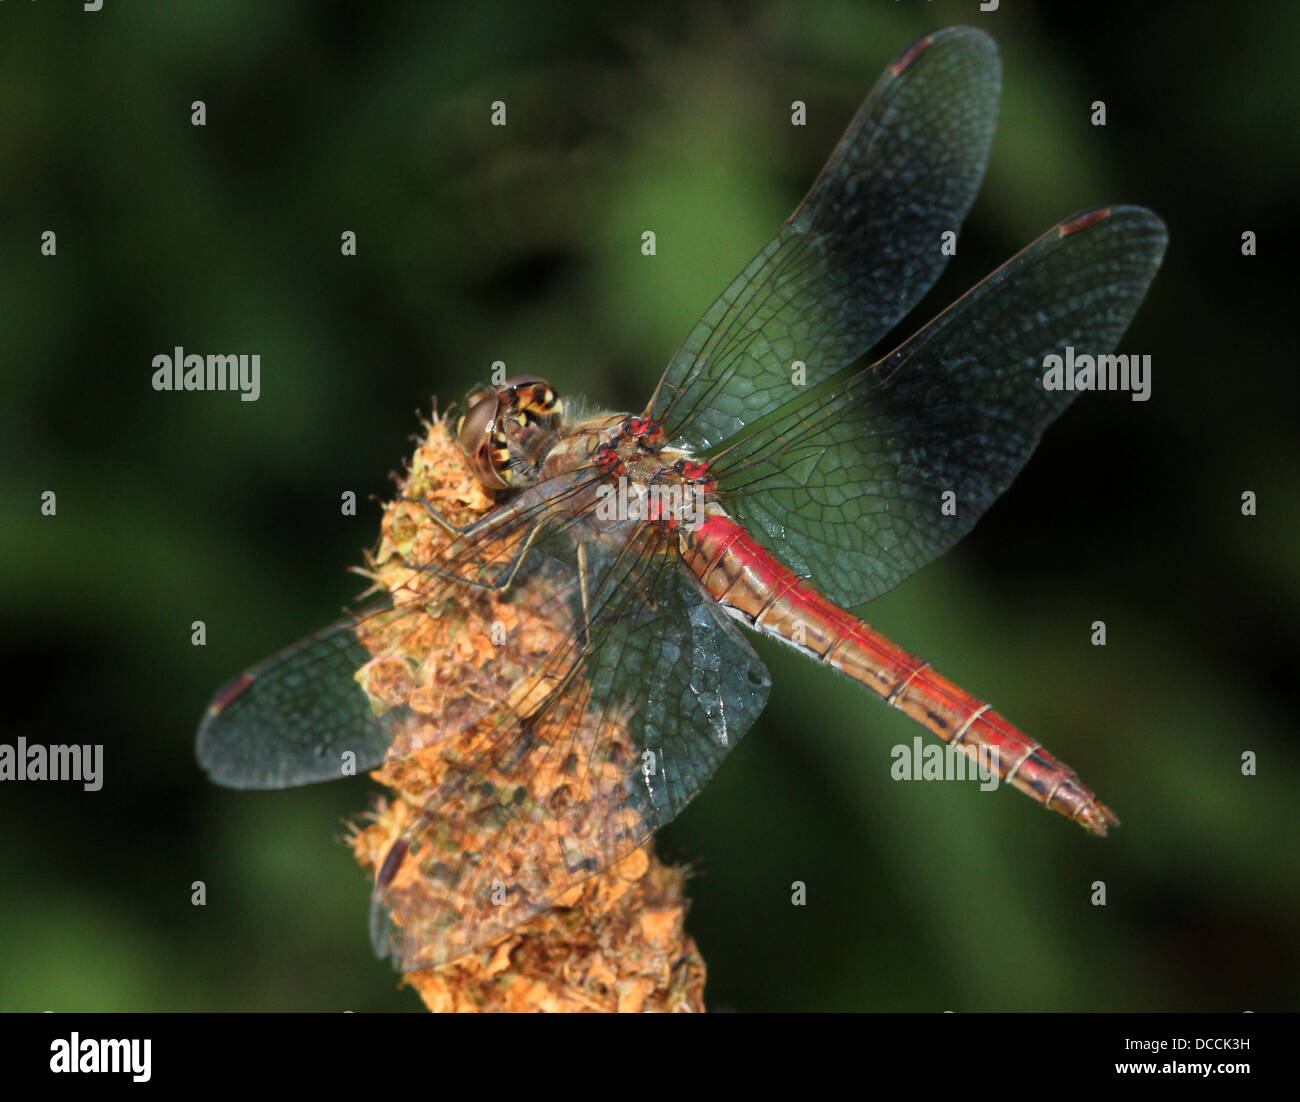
(695, 472)
(643, 428)
(609, 461)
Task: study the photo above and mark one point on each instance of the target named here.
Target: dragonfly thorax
(638, 477)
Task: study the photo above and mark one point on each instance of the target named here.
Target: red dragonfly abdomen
(760, 590)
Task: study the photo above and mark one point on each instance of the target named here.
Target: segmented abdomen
(750, 583)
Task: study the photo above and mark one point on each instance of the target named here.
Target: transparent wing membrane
(570, 716)
(295, 718)
(846, 485)
(341, 700)
(860, 251)
(636, 723)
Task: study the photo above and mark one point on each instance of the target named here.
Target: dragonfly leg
(496, 586)
(510, 514)
(584, 628)
(512, 755)
(455, 529)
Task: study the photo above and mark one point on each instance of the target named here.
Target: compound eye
(482, 444)
(531, 395)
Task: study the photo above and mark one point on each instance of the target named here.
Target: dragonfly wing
(297, 718)
(544, 731)
(846, 483)
(858, 253)
(339, 702)
(532, 803)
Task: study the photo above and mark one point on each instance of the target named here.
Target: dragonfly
(786, 470)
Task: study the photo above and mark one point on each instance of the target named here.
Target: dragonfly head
(503, 430)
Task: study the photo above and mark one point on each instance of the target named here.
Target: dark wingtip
(206, 748)
(1156, 232)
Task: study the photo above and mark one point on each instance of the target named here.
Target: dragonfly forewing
(860, 251)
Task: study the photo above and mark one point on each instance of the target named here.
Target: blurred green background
(522, 244)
